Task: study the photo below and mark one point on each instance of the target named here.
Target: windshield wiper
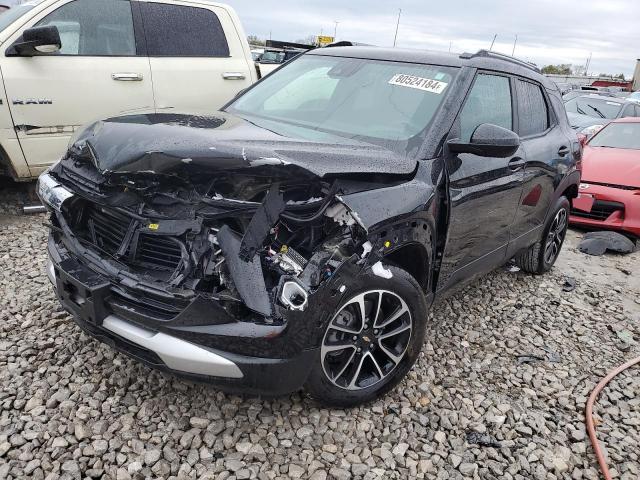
(580, 111)
(595, 109)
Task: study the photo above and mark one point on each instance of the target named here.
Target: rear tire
(541, 256)
(363, 356)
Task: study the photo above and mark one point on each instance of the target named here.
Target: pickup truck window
(94, 28)
(384, 103)
(488, 102)
(179, 31)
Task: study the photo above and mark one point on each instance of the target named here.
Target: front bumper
(607, 208)
(177, 347)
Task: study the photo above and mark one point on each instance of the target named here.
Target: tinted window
(94, 27)
(488, 102)
(533, 115)
(618, 135)
(383, 103)
(177, 31)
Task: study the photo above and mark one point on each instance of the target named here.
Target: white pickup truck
(65, 63)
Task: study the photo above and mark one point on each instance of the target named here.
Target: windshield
(618, 135)
(9, 16)
(272, 57)
(594, 107)
(379, 102)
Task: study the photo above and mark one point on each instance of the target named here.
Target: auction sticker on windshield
(426, 84)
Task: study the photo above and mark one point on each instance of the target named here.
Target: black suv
(298, 237)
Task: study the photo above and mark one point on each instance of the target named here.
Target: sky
(549, 31)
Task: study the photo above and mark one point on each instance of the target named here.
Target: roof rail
(501, 56)
(347, 43)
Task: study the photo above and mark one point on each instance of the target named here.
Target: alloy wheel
(555, 237)
(366, 340)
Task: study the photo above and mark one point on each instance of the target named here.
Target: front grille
(116, 235)
(122, 302)
(161, 253)
(601, 210)
(107, 229)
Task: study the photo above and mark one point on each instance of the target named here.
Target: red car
(609, 197)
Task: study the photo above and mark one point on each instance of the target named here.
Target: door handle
(516, 163)
(563, 151)
(127, 77)
(234, 76)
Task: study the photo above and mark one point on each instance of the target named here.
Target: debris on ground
(597, 243)
(569, 284)
(482, 439)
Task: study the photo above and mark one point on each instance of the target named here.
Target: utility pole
(493, 41)
(586, 67)
(450, 46)
(395, 39)
(513, 52)
(335, 30)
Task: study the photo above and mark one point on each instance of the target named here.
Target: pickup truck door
(96, 74)
(483, 191)
(199, 55)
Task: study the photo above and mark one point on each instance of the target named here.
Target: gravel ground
(499, 391)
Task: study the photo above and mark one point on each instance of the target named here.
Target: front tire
(371, 341)
(541, 256)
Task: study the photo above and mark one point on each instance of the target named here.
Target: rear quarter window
(533, 113)
(181, 31)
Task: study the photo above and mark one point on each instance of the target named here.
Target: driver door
(484, 192)
(96, 74)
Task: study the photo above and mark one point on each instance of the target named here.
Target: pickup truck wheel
(371, 341)
(542, 255)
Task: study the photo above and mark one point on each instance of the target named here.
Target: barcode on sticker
(426, 84)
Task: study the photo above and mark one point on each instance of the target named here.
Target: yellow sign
(154, 226)
(324, 40)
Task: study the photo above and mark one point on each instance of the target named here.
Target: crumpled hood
(615, 166)
(165, 143)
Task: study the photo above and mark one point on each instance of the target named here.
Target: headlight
(592, 130)
(51, 193)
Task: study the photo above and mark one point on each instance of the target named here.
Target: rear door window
(180, 31)
(533, 113)
(489, 101)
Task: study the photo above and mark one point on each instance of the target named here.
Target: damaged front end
(249, 262)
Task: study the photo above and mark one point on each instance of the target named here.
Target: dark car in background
(299, 236)
(589, 113)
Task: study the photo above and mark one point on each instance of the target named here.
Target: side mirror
(488, 140)
(36, 41)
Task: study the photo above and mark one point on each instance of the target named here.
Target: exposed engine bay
(263, 252)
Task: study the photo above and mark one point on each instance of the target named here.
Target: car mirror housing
(488, 140)
(36, 41)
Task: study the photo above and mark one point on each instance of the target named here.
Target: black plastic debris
(247, 276)
(529, 359)
(482, 439)
(597, 243)
(569, 284)
(262, 222)
(549, 356)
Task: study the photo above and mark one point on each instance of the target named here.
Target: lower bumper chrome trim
(175, 353)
